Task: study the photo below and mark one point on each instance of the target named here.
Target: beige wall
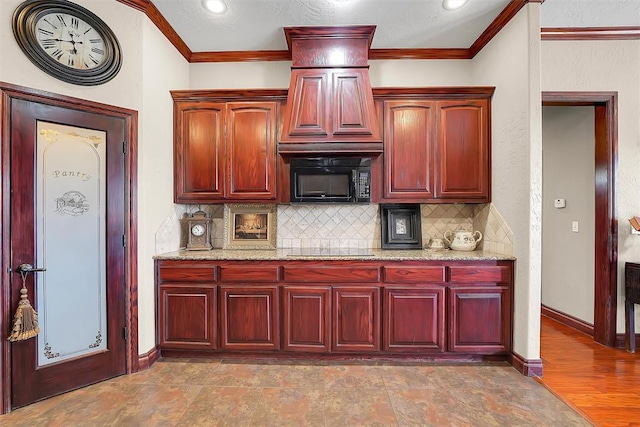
(275, 75)
(511, 62)
(163, 69)
(607, 66)
(568, 153)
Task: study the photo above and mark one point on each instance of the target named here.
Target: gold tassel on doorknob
(25, 321)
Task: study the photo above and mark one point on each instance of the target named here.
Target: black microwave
(330, 180)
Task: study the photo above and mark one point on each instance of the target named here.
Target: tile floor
(181, 392)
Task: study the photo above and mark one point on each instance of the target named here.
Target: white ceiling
(258, 24)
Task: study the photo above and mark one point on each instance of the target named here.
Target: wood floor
(601, 383)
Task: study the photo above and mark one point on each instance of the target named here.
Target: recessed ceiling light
(453, 4)
(215, 6)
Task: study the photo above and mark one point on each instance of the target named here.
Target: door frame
(8, 92)
(606, 221)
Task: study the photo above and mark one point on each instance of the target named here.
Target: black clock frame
(24, 22)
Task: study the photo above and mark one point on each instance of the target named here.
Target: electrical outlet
(575, 227)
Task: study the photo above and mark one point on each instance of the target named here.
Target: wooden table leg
(630, 329)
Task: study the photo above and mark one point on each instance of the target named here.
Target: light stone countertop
(298, 254)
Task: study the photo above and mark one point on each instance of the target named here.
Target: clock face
(70, 41)
(197, 230)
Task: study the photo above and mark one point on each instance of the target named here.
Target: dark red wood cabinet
(199, 151)
(249, 317)
(356, 319)
(329, 106)
(187, 316)
(479, 319)
(479, 306)
(409, 150)
(414, 319)
(224, 151)
(307, 317)
(339, 307)
(186, 305)
(436, 150)
(463, 151)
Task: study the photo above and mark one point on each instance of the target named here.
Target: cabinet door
(463, 166)
(307, 112)
(353, 108)
(413, 319)
(198, 152)
(479, 319)
(187, 317)
(408, 150)
(251, 151)
(306, 318)
(356, 319)
(249, 317)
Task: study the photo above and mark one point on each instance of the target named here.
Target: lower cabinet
(306, 318)
(413, 319)
(435, 308)
(356, 319)
(249, 317)
(480, 319)
(187, 317)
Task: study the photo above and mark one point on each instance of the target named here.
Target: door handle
(28, 268)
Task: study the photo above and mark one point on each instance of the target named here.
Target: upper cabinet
(409, 150)
(462, 150)
(198, 151)
(224, 150)
(435, 149)
(330, 106)
(251, 151)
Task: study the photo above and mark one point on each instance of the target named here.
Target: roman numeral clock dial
(70, 41)
(67, 41)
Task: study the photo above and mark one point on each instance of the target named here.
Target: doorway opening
(606, 223)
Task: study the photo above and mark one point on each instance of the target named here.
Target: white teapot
(462, 239)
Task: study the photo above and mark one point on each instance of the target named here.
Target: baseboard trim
(147, 360)
(527, 367)
(567, 320)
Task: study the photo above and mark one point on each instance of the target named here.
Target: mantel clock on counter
(198, 231)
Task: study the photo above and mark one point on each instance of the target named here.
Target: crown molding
(241, 56)
(498, 24)
(590, 33)
(163, 25)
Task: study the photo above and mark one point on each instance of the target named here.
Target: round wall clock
(67, 41)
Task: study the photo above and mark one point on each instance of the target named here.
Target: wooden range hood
(330, 107)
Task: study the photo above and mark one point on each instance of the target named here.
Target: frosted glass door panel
(70, 235)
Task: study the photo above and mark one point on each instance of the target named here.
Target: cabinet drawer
(414, 274)
(186, 273)
(480, 274)
(332, 274)
(249, 273)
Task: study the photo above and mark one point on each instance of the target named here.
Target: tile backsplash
(498, 237)
(319, 226)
